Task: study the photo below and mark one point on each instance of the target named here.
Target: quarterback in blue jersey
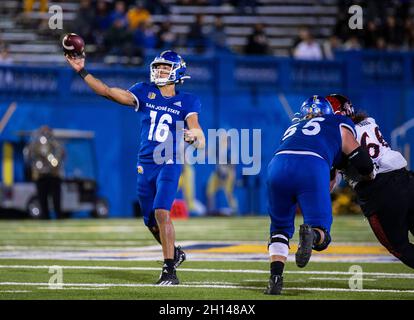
(299, 174)
(168, 117)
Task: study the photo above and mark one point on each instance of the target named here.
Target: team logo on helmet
(314, 106)
(316, 99)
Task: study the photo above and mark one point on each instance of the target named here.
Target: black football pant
(388, 203)
(48, 185)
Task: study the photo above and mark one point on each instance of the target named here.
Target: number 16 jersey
(160, 117)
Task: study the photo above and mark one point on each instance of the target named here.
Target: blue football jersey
(161, 117)
(320, 135)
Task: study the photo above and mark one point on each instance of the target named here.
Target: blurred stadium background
(252, 63)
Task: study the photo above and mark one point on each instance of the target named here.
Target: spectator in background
(302, 34)
(119, 13)
(409, 34)
(118, 39)
(381, 44)
(257, 42)
(157, 7)
(145, 36)
(308, 48)
(245, 6)
(5, 58)
(371, 34)
(218, 36)
(82, 22)
(101, 24)
(45, 156)
(196, 38)
(330, 46)
(28, 5)
(137, 15)
(393, 33)
(388, 24)
(102, 17)
(223, 178)
(353, 43)
(166, 38)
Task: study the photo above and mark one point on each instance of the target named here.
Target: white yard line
(337, 279)
(211, 286)
(74, 288)
(379, 274)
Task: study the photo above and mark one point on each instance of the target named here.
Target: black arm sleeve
(360, 159)
(332, 174)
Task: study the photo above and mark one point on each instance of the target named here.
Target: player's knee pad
(326, 241)
(278, 244)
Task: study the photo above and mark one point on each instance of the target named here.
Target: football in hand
(73, 45)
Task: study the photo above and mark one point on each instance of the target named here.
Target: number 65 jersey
(160, 119)
(319, 136)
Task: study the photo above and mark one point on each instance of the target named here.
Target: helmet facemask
(348, 109)
(161, 80)
(341, 105)
(173, 77)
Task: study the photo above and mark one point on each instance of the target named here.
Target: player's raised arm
(115, 94)
(195, 133)
(357, 156)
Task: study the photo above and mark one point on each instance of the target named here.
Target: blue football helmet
(178, 68)
(314, 106)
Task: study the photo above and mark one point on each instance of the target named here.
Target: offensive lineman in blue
(168, 117)
(299, 174)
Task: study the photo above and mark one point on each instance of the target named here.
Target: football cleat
(306, 237)
(275, 285)
(179, 257)
(168, 278)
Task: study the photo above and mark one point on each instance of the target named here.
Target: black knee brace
(274, 239)
(326, 241)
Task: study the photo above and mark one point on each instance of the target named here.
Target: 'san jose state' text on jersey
(160, 117)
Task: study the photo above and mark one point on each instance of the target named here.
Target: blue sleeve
(347, 123)
(136, 91)
(193, 107)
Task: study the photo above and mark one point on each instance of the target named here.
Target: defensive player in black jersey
(388, 200)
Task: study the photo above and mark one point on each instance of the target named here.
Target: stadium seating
(281, 20)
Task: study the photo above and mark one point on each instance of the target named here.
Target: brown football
(73, 45)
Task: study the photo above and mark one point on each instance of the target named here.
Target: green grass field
(118, 259)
